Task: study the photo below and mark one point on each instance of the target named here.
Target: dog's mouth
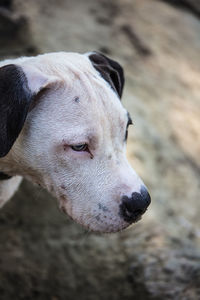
(101, 220)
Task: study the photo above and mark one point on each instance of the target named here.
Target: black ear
(110, 70)
(15, 99)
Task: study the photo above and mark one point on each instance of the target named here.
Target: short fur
(51, 102)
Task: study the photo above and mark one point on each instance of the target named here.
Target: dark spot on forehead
(77, 99)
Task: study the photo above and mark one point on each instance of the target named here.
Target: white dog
(62, 125)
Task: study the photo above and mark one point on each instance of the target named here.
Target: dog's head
(63, 126)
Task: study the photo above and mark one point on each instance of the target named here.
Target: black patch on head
(77, 99)
(110, 70)
(15, 99)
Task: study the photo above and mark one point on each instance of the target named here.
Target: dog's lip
(107, 230)
(110, 229)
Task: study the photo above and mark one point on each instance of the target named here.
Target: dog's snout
(131, 208)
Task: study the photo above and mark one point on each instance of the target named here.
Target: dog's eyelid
(75, 140)
(82, 148)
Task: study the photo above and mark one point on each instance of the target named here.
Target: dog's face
(73, 141)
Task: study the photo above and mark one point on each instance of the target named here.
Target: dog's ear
(109, 69)
(18, 88)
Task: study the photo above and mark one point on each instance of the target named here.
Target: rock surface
(43, 255)
(192, 6)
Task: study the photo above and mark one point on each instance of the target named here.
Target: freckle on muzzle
(132, 208)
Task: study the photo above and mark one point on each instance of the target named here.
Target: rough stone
(43, 254)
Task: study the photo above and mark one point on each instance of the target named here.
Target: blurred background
(43, 254)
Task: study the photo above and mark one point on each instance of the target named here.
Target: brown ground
(44, 255)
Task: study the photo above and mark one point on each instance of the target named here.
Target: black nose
(132, 208)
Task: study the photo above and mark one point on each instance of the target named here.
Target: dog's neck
(8, 167)
(8, 182)
(12, 165)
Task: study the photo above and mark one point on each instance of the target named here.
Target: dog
(63, 126)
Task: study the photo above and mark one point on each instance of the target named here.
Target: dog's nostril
(133, 207)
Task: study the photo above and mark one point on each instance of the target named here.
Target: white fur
(89, 190)
(8, 188)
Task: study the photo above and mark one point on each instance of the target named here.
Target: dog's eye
(130, 122)
(80, 147)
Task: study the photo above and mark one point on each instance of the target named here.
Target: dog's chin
(106, 228)
(101, 224)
